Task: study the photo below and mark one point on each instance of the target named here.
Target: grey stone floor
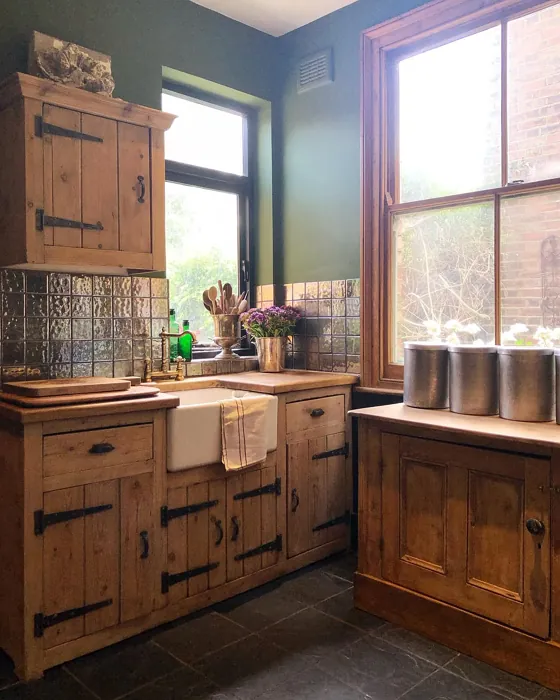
(297, 638)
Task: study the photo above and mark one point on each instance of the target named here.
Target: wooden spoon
(206, 301)
(220, 287)
(228, 294)
(213, 295)
(243, 305)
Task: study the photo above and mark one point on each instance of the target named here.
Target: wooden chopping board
(64, 387)
(135, 392)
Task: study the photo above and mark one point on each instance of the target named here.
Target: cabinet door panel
(197, 537)
(318, 500)
(299, 526)
(63, 565)
(138, 565)
(134, 171)
(62, 176)
(269, 519)
(100, 183)
(251, 529)
(217, 534)
(177, 544)
(102, 575)
(337, 487)
(234, 547)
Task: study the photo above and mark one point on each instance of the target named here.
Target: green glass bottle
(186, 343)
(173, 342)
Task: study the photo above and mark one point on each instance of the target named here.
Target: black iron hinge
(42, 622)
(43, 520)
(42, 127)
(341, 520)
(168, 514)
(274, 546)
(275, 487)
(42, 220)
(168, 580)
(339, 452)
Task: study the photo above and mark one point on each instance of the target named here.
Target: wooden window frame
(426, 27)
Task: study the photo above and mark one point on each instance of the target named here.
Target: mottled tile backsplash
(328, 337)
(62, 325)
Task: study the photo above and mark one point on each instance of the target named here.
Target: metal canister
(473, 379)
(426, 375)
(526, 383)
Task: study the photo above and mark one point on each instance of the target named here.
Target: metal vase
(473, 379)
(526, 383)
(272, 354)
(227, 333)
(426, 375)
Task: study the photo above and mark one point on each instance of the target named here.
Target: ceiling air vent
(315, 70)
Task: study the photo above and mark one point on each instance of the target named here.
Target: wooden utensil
(220, 287)
(213, 295)
(228, 294)
(243, 306)
(206, 301)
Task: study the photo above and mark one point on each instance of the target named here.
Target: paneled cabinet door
(318, 509)
(80, 182)
(80, 531)
(195, 518)
(470, 527)
(135, 217)
(253, 539)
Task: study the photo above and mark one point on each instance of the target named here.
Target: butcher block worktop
(269, 383)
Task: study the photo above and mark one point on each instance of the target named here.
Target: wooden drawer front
(306, 415)
(91, 449)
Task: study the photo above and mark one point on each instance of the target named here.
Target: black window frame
(244, 186)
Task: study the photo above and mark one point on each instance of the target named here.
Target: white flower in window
(543, 336)
(452, 339)
(555, 334)
(478, 342)
(433, 329)
(519, 328)
(472, 329)
(453, 326)
(509, 338)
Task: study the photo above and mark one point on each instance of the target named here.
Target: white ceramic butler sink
(194, 430)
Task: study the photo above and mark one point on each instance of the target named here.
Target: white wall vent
(315, 70)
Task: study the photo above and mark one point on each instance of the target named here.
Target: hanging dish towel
(243, 432)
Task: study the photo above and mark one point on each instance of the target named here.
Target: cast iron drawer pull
(219, 530)
(145, 542)
(317, 413)
(235, 528)
(295, 500)
(141, 199)
(535, 527)
(102, 448)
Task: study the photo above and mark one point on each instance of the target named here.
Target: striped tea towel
(243, 432)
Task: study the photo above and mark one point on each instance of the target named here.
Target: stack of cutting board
(44, 393)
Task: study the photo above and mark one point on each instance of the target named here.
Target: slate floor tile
(185, 684)
(342, 565)
(199, 635)
(415, 644)
(258, 609)
(120, 669)
(549, 695)
(376, 668)
(312, 633)
(314, 586)
(444, 686)
(342, 607)
(313, 684)
(56, 685)
(493, 678)
(251, 667)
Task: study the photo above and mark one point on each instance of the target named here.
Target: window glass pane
(443, 271)
(530, 264)
(201, 228)
(534, 96)
(449, 118)
(206, 136)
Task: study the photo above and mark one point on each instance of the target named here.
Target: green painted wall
(321, 146)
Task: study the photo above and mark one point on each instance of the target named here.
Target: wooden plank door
(134, 188)
(196, 548)
(139, 563)
(454, 527)
(299, 530)
(81, 561)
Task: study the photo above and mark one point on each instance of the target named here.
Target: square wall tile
(36, 282)
(102, 286)
(13, 281)
(140, 286)
(59, 306)
(325, 290)
(298, 290)
(159, 287)
(312, 290)
(82, 284)
(14, 328)
(122, 286)
(59, 283)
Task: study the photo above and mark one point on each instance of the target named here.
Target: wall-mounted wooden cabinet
(82, 178)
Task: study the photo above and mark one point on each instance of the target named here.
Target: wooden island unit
(459, 533)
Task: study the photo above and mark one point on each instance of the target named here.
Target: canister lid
(424, 345)
(474, 349)
(521, 349)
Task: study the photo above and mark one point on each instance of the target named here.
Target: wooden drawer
(315, 413)
(91, 449)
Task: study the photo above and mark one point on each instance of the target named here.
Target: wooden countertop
(540, 437)
(17, 414)
(269, 383)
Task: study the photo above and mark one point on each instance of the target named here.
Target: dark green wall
(321, 146)
(142, 36)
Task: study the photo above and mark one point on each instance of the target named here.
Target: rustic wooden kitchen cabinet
(459, 533)
(82, 178)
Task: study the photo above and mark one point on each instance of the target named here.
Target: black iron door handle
(102, 448)
(235, 528)
(535, 527)
(219, 531)
(295, 500)
(145, 543)
(317, 413)
(141, 199)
